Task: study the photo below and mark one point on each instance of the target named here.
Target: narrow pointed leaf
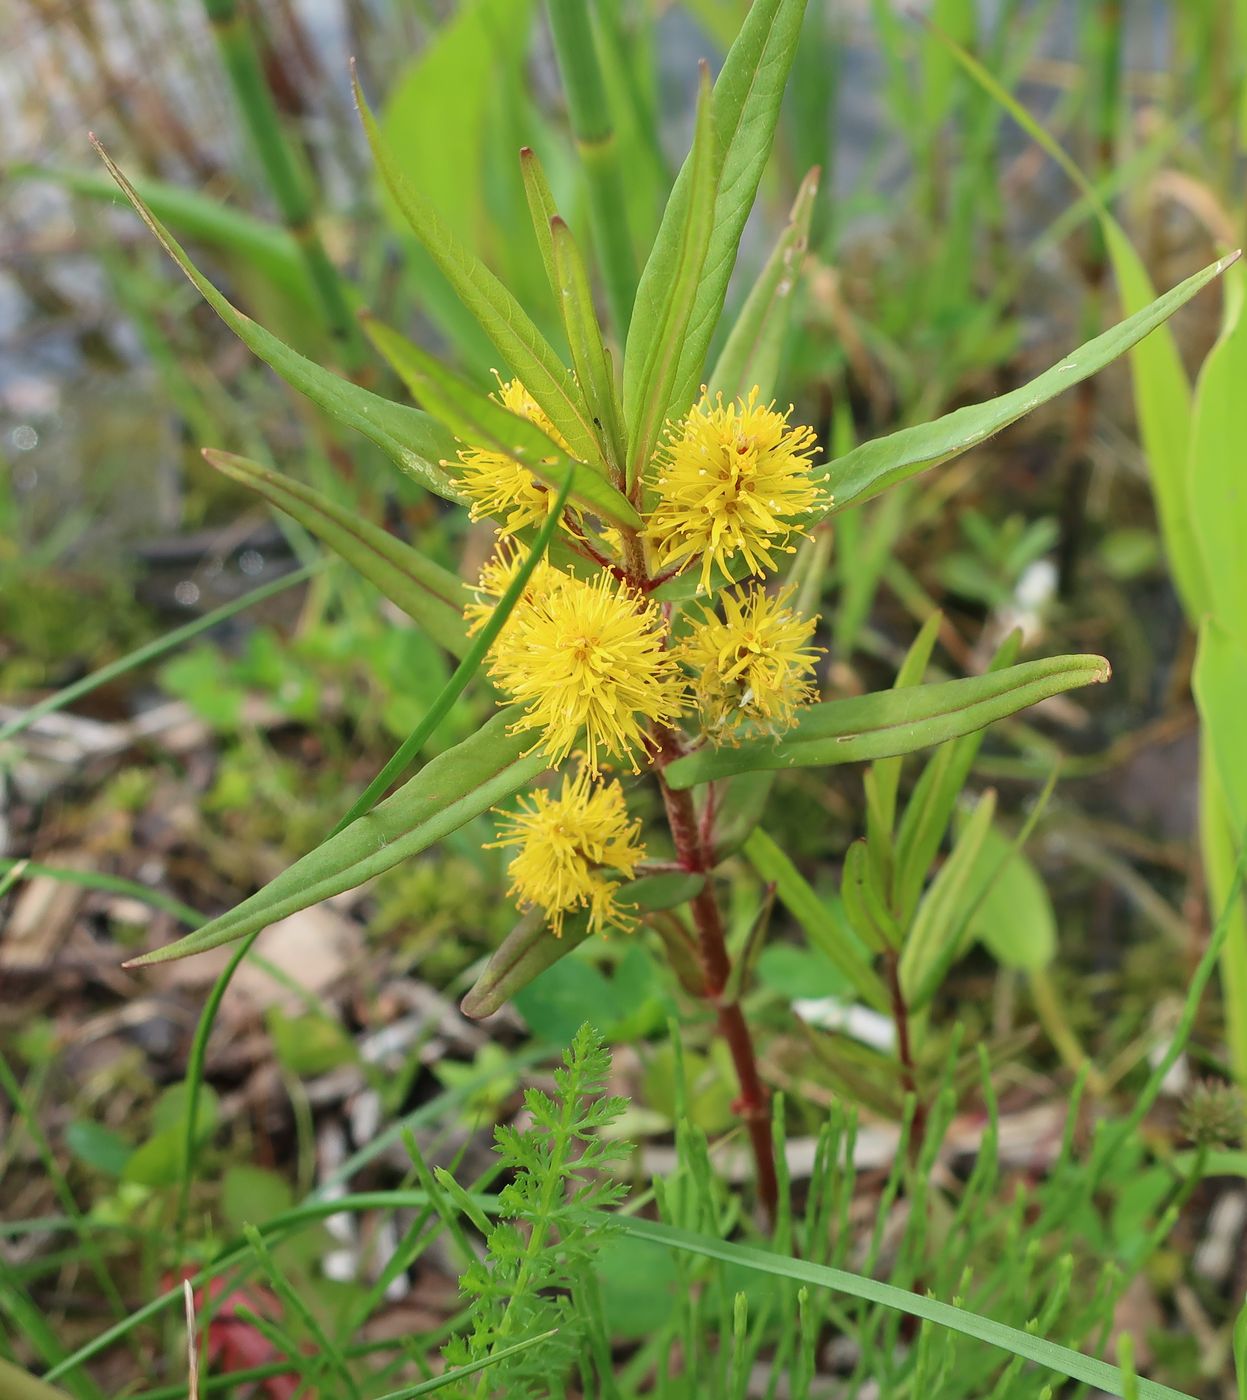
(956, 1318)
(541, 209)
(524, 954)
(479, 419)
(427, 593)
(747, 98)
(501, 317)
(824, 931)
(872, 468)
(412, 439)
(647, 409)
(584, 336)
(530, 948)
(894, 721)
(267, 249)
(750, 355)
(447, 792)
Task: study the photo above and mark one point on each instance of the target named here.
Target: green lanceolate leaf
(410, 438)
(481, 420)
(1218, 484)
(937, 927)
(524, 954)
(870, 469)
(825, 932)
(541, 209)
(894, 721)
(530, 948)
(427, 593)
(647, 410)
(746, 103)
(448, 791)
(751, 353)
(501, 317)
(584, 336)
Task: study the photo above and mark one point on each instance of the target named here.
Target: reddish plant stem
(753, 1105)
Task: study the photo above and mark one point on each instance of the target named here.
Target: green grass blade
(594, 131)
(1162, 389)
(1038, 1350)
(268, 250)
(647, 411)
(448, 791)
(893, 722)
(450, 1377)
(427, 593)
(66, 696)
(288, 180)
(501, 317)
(750, 355)
(413, 441)
(479, 419)
(872, 468)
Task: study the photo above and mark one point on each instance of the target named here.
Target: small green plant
(622, 618)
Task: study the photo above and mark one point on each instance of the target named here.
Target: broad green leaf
(1162, 390)
(826, 932)
(665, 891)
(646, 413)
(959, 1319)
(427, 593)
(436, 111)
(481, 420)
(894, 721)
(501, 317)
(872, 468)
(936, 926)
(1218, 482)
(1220, 685)
(266, 249)
(750, 355)
(1219, 847)
(413, 441)
(746, 104)
(448, 791)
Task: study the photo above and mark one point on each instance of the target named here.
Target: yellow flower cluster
(591, 664)
(566, 846)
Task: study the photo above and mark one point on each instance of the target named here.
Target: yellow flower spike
(754, 666)
(496, 577)
(588, 655)
(497, 485)
(731, 479)
(566, 845)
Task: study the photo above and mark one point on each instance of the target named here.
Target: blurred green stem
(287, 180)
(595, 140)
